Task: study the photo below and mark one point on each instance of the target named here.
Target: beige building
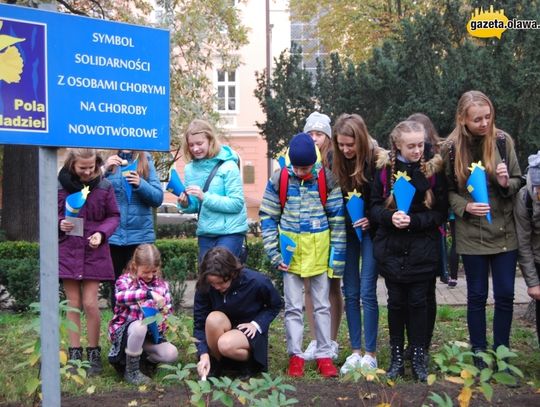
(239, 108)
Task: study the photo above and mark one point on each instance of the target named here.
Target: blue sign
(70, 81)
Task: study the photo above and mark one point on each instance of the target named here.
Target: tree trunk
(20, 195)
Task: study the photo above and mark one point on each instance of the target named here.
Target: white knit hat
(318, 122)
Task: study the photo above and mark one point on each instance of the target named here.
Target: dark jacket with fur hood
(412, 254)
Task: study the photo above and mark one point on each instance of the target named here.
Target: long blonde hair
(407, 126)
(460, 137)
(199, 126)
(352, 125)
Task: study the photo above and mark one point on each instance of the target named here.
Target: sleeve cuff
(257, 326)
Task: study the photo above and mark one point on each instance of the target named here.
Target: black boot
(94, 357)
(133, 374)
(418, 364)
(397, 364)
(74, 354)
(478, 361)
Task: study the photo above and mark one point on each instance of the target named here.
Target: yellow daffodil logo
(354, 193)
(11, 62)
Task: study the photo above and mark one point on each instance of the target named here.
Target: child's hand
(112, 161)
(159, 299)
(283, 267)
(247, 329)
(66, 225)
(203, 367)
(401, 220)
(361, 223)
(183, 200)
(477, 209)
(133, 178)
(502, 175)
(95, 240)
(196, 191)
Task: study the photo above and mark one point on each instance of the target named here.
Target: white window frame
(226, 84)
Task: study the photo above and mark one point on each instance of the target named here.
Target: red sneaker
(296, 366)
(326, 368)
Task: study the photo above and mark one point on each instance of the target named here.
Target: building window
(226, 91)
(249, 174)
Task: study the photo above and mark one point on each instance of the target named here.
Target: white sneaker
(368, 362)
(309, 353)
(351, 363)
(335, 349)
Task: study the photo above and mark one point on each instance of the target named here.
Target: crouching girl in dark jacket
(233, 309)
(407, 243)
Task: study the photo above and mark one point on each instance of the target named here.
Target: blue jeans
(231, 242)
(503, 273)
(361, 285)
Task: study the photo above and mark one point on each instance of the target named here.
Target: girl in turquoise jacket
(221, 208)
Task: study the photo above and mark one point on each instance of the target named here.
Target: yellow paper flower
(85, 191)
(402, 174)
(354, 193)
(478, 164)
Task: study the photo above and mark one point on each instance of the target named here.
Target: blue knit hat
(302, 151)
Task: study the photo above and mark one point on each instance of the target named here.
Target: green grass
(451, 325)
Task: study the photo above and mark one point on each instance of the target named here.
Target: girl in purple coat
(84, 257)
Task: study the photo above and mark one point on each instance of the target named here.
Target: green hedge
(19, 266)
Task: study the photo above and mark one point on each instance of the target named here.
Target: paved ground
(445, 295)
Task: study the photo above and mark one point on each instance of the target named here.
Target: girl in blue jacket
(138, 190)
(221, 208)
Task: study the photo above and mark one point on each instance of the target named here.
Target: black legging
(538, 320)
(120, 255)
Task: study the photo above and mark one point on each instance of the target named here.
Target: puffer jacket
(474, 234)
(77, 260)
(411, 254)
(223, 210)
(136, 218)
(528, 234)
(314, 228)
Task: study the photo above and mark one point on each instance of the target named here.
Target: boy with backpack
(527, 216)
(312, 216)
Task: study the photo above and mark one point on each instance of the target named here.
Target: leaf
(431, 379)
(32, 385)
(465, 374)
(133, 403)
(487, 390)
(91, 389)
(504, 378)
(452, 379)
(464, 397)
(63, 357)
(77, 379)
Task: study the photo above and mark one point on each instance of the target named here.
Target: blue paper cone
(403, 193)
(477, 187)
(125, 171)
(288, 246)
(282, 160)
(152, 327)
(175, 184)
(355, 207)
(75, 201)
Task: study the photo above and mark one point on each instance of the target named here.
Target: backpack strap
(529, 204)
(501, 145)
(209, 180)
(323, 190)
(383, 175)
(284, 186)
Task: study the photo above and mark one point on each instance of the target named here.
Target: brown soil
(322, 393)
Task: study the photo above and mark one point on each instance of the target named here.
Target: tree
(287, 100)
(354, 28)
